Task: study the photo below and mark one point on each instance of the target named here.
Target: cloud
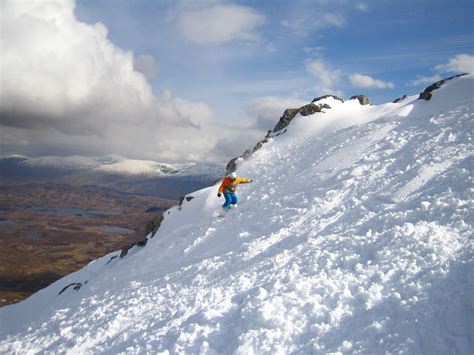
(66, 74)
(461, 63)
(221, 23)
(197, 111)
(267, 110)
(146, 65)
(313, 49)
(313, 22)
(326, 77)
(362, 7)
(422, 80)
(330, 19)
(234, 142)
(65, 85)
(366, 81)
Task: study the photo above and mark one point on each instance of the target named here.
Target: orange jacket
(228, 185)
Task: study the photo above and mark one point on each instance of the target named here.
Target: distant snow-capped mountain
(116, 164)
(110, 172)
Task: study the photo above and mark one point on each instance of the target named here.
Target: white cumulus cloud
(62, 73)
(326, 78)
(67, 88)
(221, 23)
(362, 7)
(461, 63)
(366, 81)
(146, 64)
(313, 21)
(422, 80)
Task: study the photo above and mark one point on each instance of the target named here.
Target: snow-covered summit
(355, 237)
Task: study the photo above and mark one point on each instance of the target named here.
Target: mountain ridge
(311, 108)
(110, 173)
(116, 164)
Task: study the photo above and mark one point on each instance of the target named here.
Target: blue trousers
(230, 199)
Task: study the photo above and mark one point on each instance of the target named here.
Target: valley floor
(47, 232)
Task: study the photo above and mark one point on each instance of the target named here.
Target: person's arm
(244, 181)
(221, 188)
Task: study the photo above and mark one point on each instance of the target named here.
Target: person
(228, 187)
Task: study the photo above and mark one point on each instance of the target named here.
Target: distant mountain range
(110, 172)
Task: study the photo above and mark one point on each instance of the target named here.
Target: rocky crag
(315, 107)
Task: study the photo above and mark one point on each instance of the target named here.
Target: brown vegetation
(49, 231)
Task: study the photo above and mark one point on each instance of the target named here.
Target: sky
(176, 81)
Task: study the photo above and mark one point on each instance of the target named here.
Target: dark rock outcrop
(363, 100)
(325, 97)
(305, 110)
(311, 109)
(76, 286)
(152, 226)
(285, 120)
(247, 154)
(259, 145)
(187, 198)
(231, 165)
(281, 132)
(399, 99)
(112, 258)
(426, 94)
(125, 250)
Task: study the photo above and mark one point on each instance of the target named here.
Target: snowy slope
(356, 237)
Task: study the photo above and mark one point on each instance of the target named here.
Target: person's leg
(233, 199)
(228, 200)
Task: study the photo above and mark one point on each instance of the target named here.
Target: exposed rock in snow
(363, 100)
(305, 110)
(426, 94)
(285, 120)
(397, 100)
(325, 97)
(311, 109)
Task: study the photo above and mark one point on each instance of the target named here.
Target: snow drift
(356, 236)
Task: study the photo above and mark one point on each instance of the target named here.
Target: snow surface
(116, 164)
(355, 237)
